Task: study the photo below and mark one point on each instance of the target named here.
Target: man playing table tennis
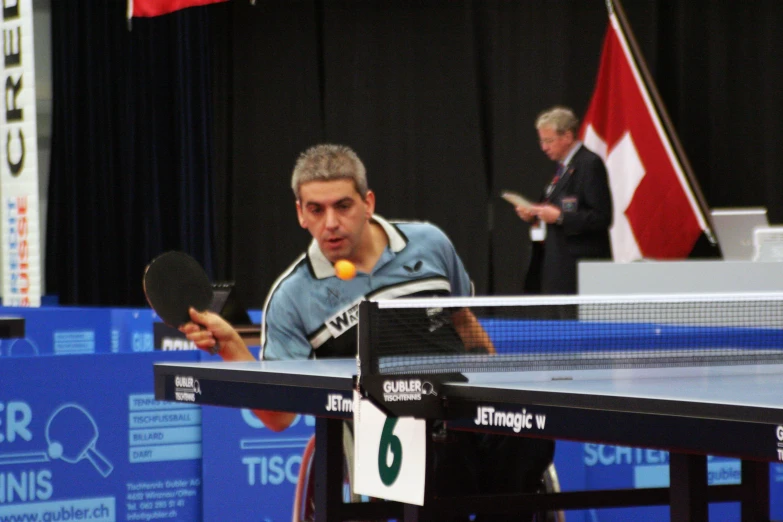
(310, 313)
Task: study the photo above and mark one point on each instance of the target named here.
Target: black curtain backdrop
(437, 97)
(131, 149)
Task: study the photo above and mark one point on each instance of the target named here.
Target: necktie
(559, 172)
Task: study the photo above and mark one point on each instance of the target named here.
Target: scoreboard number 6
(389, 443)
(380, 443)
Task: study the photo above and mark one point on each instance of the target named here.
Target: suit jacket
(583, 195)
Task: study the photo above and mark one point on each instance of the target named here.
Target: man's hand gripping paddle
(173, 283)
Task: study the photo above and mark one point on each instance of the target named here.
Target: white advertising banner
(21, 265)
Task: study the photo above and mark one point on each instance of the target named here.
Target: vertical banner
(20, 238)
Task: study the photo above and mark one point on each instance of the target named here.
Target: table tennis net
(439, 335)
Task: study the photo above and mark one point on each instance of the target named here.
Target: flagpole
(616, 8)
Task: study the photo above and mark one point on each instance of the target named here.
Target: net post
(424, 398)
(367, 366)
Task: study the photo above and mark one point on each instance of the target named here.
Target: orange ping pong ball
(344, 269)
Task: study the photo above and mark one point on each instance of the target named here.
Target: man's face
(335, 215)
(554, 145)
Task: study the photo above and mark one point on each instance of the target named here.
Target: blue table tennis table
(692, 412)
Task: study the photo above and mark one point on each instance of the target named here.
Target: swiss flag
(655, 212)
(161, 7)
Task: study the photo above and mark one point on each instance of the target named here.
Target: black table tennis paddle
(174, 282)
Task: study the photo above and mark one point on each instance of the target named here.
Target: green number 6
(389, 441)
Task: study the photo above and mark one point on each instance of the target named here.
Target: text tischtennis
(186, 388)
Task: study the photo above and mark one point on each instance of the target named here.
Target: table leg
(755, 491)
(688, 488)
(328, 468)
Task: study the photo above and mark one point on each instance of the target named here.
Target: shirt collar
(322, 268)
(567, 161)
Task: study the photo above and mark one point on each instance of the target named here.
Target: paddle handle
(100, 463)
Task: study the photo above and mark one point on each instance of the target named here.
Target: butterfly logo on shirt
(413, 269)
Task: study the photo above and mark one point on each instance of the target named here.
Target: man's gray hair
(560, 119)
(327, 162)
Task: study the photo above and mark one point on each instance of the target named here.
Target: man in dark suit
(574, 214)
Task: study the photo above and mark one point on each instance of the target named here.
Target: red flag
(161, 7)
(656, 214)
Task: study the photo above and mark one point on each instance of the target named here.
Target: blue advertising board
(63, 330)
(59, 331)
(608, 467)
(262, 466)
(82, 438)
(131, 329)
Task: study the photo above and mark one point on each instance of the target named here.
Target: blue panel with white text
(82, 438)
(262, 466)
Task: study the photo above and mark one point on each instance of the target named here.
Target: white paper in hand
(515, 199)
